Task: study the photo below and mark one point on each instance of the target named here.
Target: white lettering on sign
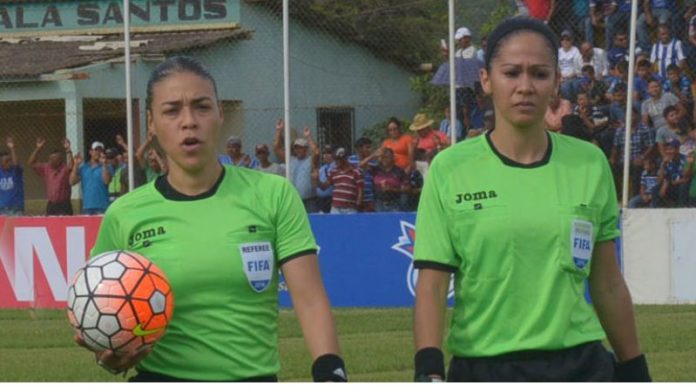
(30, 241)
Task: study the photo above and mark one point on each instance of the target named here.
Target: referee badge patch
(257, 262)
(581, 242)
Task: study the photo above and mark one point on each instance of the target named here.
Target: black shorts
(145, 376)
(586, 362)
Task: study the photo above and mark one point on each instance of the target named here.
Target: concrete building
(60, 81)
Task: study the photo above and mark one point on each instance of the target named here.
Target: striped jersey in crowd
(346, 183)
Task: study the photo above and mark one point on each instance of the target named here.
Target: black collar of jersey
(168, 192)
(509, 162)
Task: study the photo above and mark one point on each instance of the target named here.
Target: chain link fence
(353, 66)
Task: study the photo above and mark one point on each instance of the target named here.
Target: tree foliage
(406, 32)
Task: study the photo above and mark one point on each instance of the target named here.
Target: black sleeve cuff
(425, 264)
(296, 255)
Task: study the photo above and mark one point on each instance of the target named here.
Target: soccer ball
(120, 301)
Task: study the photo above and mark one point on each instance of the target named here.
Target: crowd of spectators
(102, 175)
(591, 104)
(387, 174)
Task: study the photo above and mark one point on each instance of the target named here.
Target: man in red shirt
(347, 184)
(56, 175)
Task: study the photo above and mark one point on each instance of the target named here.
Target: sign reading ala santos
(82, 17)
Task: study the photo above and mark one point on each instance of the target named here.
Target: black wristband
(633, 370)
(429, 361)
(329, 367)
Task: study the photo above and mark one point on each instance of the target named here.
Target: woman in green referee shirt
(525, 219)
(223, 235)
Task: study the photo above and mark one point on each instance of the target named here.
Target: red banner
(40, 255)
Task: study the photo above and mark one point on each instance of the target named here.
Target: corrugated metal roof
(31, 57)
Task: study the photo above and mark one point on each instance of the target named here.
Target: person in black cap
(525, 219)
(674, 175)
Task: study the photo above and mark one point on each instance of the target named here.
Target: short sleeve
(408, 139)
(609, 214)
(108, 237)
(294, 236)
(433, 245)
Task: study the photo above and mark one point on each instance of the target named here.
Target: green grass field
(377, 345)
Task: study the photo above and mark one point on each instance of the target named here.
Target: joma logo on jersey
(146, 235)
(474, 196)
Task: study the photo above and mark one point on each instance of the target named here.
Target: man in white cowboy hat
(427, 138)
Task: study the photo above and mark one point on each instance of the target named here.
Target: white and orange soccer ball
(120, 301)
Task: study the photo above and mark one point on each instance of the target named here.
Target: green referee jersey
(221, 252)
(519, 239)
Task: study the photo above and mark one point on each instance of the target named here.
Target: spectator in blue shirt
(648, 187)
(674, 176)
(235, 156)
(678, 84)
(666, 51)
(598, 18)
(618, 14)
(11, 181)
(643, 76)
(619, 50)
(446, 127)
(655, 12)
(304, 164)
(328, 164)
(642, 149)
(94, 176)
(365, 161)
(617, 108)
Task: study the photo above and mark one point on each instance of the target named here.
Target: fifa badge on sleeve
(257, 262)
(581, 242)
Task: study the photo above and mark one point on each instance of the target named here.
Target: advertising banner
(38, 256)
(365, 259)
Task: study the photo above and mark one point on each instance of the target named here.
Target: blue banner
(366, 259)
